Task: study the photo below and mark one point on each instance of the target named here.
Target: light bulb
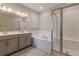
(9, 9)
(4, 7)
(18, 13)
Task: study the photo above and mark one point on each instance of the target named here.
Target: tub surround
(42, 40)
(44, 45)
(14, 41)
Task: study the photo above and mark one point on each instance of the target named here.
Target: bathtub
(42, 42)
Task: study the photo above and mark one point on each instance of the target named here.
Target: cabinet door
(29, 41)
(22, 42)
(12, 45)
(3, 48)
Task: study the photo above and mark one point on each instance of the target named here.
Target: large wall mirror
(8, 22)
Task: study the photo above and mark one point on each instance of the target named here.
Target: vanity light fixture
(9, 10)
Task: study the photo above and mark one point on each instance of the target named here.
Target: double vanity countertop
(13, 41)
(12, 33)
(4, 35)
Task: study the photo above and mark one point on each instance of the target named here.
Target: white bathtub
(40, 42)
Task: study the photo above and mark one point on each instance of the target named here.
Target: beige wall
(45, 21)
(71, 23)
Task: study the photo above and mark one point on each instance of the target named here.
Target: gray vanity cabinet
(29, 39)
(8, 44)
(3, 47)
(24, 40)
(12, 45)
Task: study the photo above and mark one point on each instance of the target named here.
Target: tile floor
(31, 51)
(56, 54)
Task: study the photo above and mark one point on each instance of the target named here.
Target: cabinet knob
(25, 38)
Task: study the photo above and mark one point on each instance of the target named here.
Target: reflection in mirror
(9, 22)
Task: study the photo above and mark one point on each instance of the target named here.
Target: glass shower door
(56, 30)
(66, 30)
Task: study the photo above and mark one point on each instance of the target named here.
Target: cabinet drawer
(25, 35)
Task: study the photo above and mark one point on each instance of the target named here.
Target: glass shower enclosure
(56, 26)
(66, 30)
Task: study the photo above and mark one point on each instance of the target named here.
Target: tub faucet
(45, 36)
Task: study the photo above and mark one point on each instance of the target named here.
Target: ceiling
(39, 7)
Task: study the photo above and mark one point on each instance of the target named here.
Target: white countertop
(12, 33)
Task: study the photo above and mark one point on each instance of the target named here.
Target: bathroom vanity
(24, 40)
(12, 42)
